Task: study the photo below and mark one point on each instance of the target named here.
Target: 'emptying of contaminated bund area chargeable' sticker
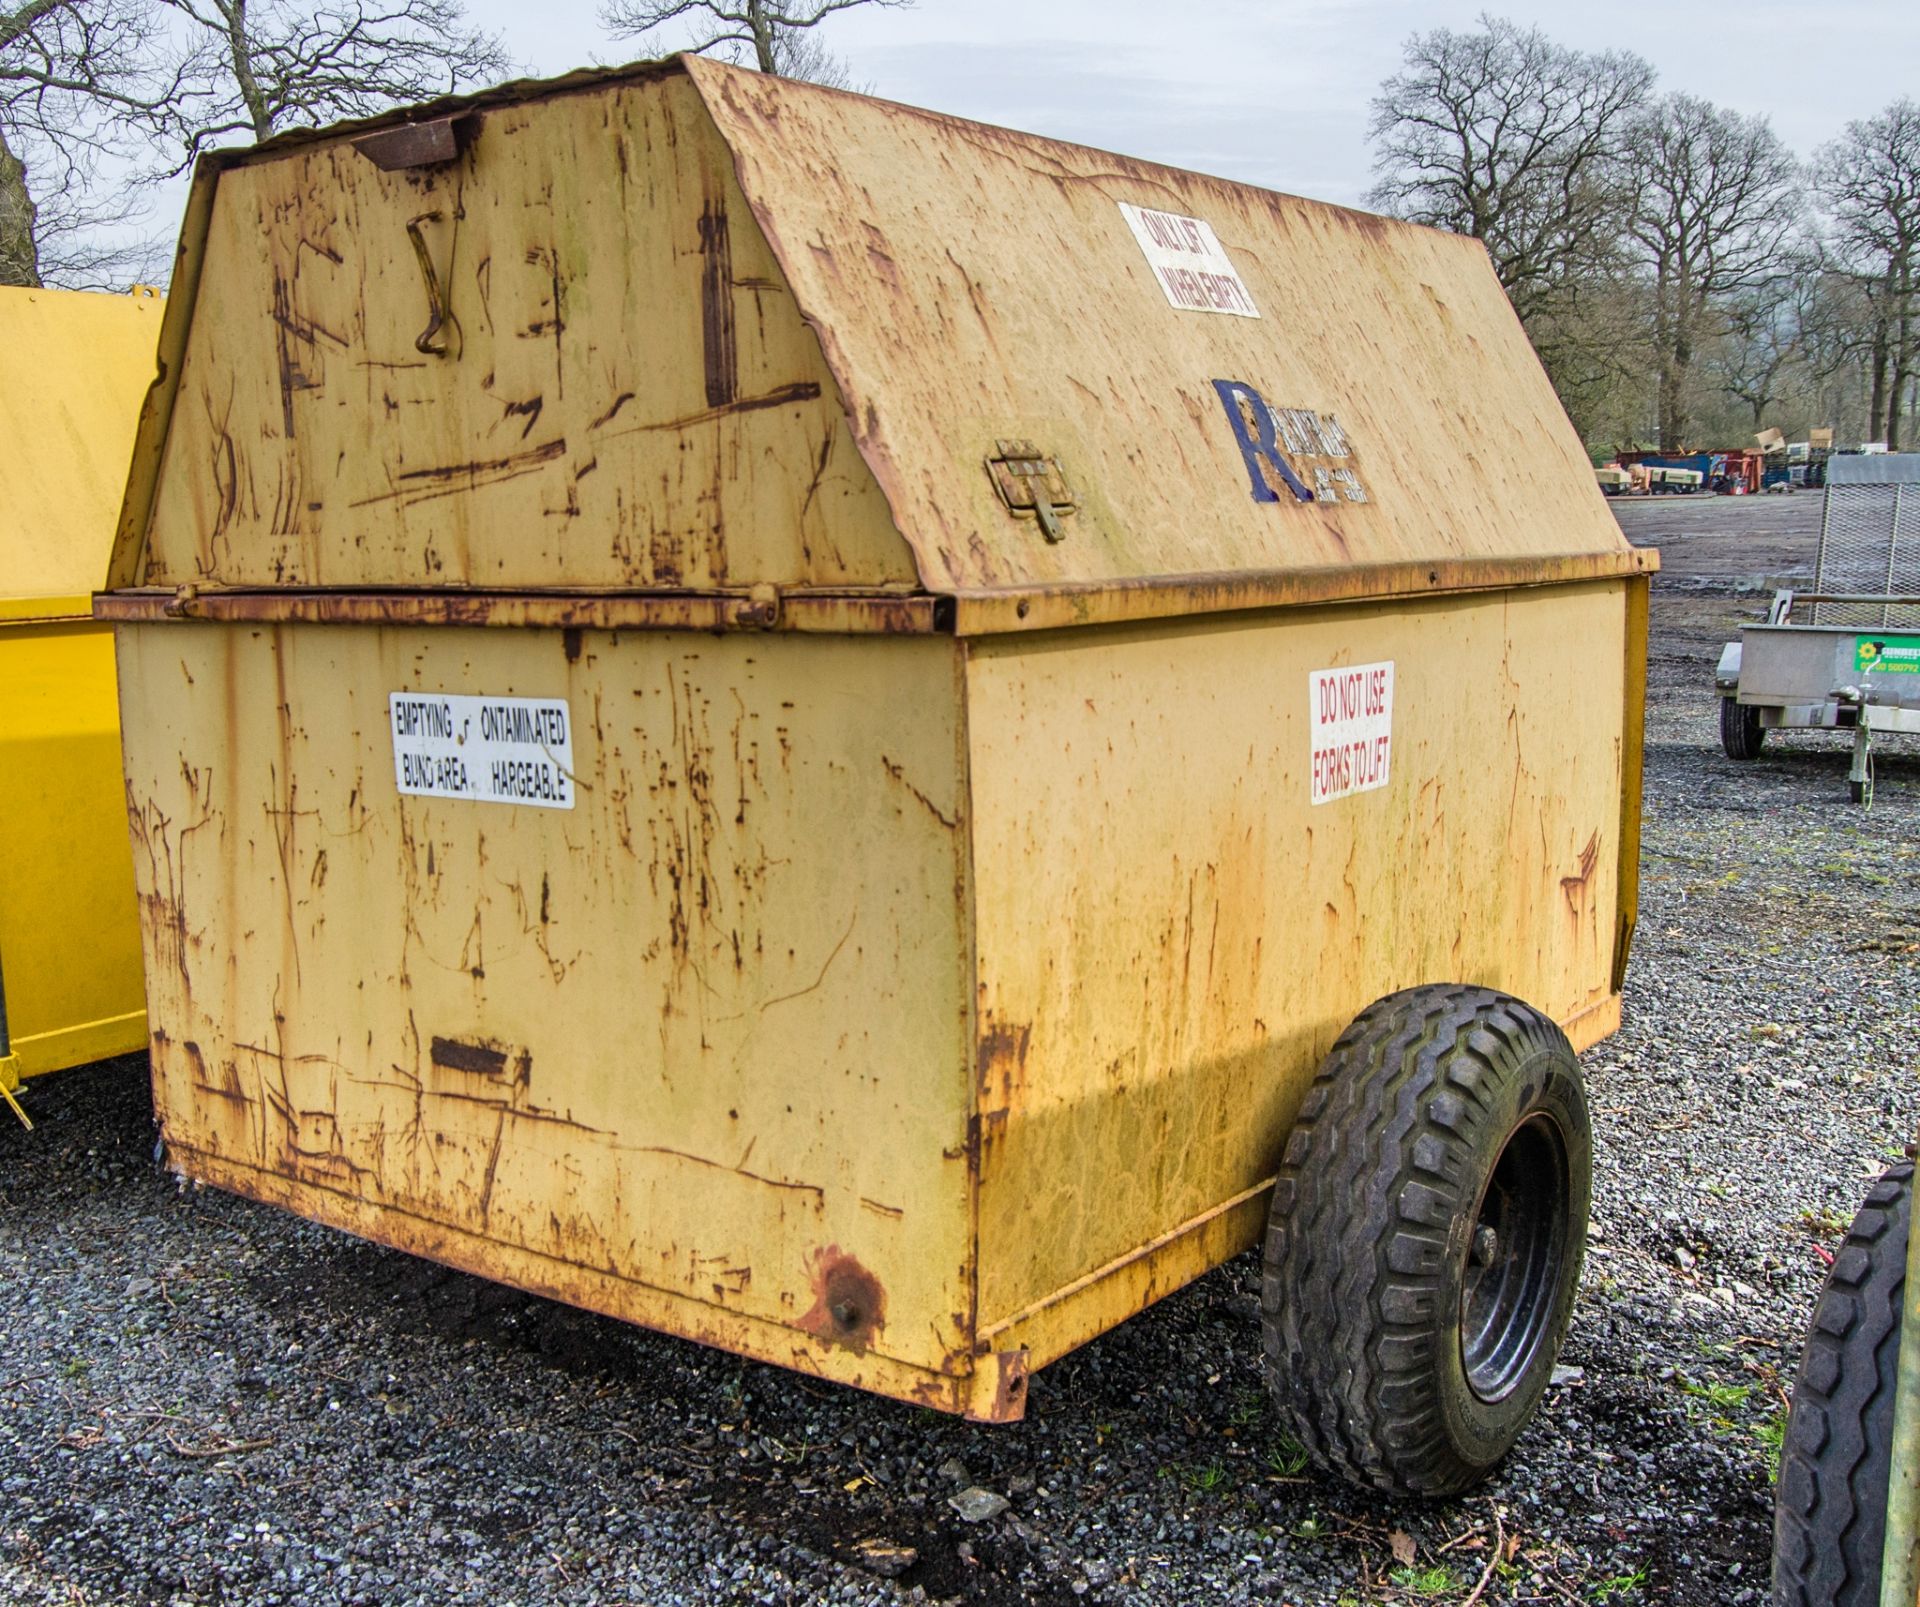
(511, 750)
(1350, 720)
(1189, 262)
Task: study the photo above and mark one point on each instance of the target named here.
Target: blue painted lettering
(1253, 428)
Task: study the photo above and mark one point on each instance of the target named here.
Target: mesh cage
(1870, 543)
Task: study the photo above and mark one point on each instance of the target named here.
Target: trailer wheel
(1830, 1505)
(1425, 1240)
(1741, 732)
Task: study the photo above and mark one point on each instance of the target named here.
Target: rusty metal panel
(827, 613)
(974, 285)
(641, 1052)
(564, 354)
(1170, 934)
(1052, 607)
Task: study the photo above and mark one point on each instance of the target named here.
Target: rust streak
(528, 410)
(813, 986)
(482, 1060)
(805, 390)
(1001, 1061)
(719, 349)
(819, 1194)
(611, 413)
(898, 775)
(1575, 886)
(849, 1302)
(819, 473)
(423, 485)
(493, 1166)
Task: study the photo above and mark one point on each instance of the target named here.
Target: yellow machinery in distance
(73, 367)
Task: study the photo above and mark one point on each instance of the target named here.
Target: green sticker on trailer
(1886, 655)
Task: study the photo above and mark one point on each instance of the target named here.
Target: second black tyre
(1426, 1235)
(1741, 734)
(1830, 1503)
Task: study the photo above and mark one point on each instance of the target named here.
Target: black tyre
(1426, 1237)
(1830, 1506)
(1741, 732)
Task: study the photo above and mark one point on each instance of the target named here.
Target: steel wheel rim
(1512, 1282)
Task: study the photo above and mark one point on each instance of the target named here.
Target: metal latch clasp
(1030, 482)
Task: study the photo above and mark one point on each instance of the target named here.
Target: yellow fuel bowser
(874, 741)
(73, 367)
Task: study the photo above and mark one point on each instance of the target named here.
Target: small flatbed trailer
(1845, 655)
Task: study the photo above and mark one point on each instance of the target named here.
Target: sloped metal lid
(1086, 387)
(1229, 381)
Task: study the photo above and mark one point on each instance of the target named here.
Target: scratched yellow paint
(943, 936)
(73, 367)
(973, 282)
(593, 425)
(693, 1033)
(1170, 935)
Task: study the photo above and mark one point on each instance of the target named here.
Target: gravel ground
(213, 1402)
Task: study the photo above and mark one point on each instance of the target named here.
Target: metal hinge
(1030, 482)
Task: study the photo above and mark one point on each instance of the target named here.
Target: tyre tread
(1354, 1252)
(1742, 736)
(1829, 1515)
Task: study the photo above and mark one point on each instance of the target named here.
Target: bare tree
(1870, 179)
(19, 221)
(87, 84)
(1504, 135)
(72, 72)
(1766, 332)
(772, 33)
(802, 54)
(253, 67)
(1715, 212)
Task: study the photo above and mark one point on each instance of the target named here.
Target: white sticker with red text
(1188, 260)
(1351, 722)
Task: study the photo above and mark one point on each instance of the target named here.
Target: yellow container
(73, 367)
(763, 712)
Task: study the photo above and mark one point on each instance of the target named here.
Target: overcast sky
(1275, 92)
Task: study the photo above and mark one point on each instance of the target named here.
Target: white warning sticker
(1189, 261)
(511, 750)
(1351, 721)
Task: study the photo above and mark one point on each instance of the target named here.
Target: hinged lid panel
(1235, 381)
(538, 344)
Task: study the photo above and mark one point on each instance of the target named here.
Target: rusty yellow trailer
(73, 368)
(800, 721)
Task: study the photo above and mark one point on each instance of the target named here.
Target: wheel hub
(1515, 1258)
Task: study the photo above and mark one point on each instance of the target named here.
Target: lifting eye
(430, 342)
